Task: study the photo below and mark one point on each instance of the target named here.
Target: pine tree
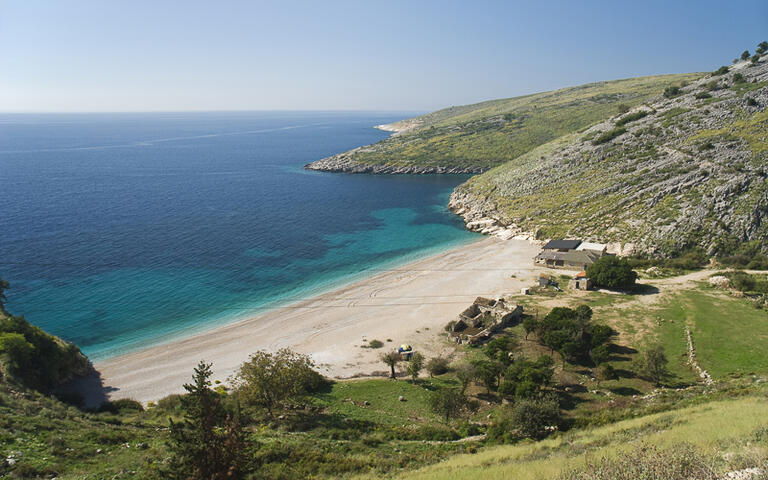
(208, 444)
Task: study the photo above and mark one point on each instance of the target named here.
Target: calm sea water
(120, 231)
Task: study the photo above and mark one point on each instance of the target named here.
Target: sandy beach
(410, 304)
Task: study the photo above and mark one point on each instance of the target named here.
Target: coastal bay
(408, 304)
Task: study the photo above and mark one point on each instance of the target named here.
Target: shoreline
(296, 297)
(407, 304)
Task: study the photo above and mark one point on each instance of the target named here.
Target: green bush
(738, 78)
(721, 71)
(52, 362)
(631, 117)
(703, 95)
(437, 366)
(609, 135)
(120, 406)
(751, 102)
(375, 344)
(531, 418)
(612, 272)
(672, 92)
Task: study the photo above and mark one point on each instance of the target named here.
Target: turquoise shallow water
(122, 231)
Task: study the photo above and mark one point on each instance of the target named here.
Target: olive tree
(269, 380)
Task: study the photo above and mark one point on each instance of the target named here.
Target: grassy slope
(715, 427)
(493, 132)
(651, 186)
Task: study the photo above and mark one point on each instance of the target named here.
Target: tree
(599, 354)
(534, 418)
(208, 443)
(269, 380)
(466, 373)
(488, 372)
(525, 378)
(762, 47)
(4, 285)
(500, 349)
(391, 359)
(415, 365)
(755, 58)
(437, 366)
(653, 364)
(529, 324)
(605, 372)
(612, 272)
(448, 403)
(745, 54)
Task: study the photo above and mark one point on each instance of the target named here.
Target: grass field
(347, 399)
(729, 334)
(715, 428)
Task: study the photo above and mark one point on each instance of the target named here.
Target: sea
(123, 231)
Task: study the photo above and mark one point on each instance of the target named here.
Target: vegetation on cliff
(685, 171)
(474, 138)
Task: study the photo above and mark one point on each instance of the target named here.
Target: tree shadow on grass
(643, 289)
(625, 391)
(303, 421)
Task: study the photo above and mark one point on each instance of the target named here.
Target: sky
(417, 55)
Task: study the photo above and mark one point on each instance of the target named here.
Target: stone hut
(483, 318)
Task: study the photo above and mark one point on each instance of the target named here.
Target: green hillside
(476, 137)
(686, 171)
(727, 436)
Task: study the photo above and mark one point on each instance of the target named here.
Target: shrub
(437, 366)
(751, 102)
(120, 406)
(609, 135)
(721, 71)
(703, 95)
(680, 461)
(762, 47)
(745, 54)
(713, 85)
(171, 403)
(375, 344)
(622, 108)
(269, 380)
(631, 117)
(415, 365)
(532, 418)
(738, 78)
(612, 272)
(671, 92)
(755, 58)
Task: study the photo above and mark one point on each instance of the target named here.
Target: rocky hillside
(474, 138)
(686, 170)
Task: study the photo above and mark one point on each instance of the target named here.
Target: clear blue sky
(136, 55)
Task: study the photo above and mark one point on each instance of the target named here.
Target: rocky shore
(344, 163)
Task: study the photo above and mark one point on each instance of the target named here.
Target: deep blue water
(118, 231)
